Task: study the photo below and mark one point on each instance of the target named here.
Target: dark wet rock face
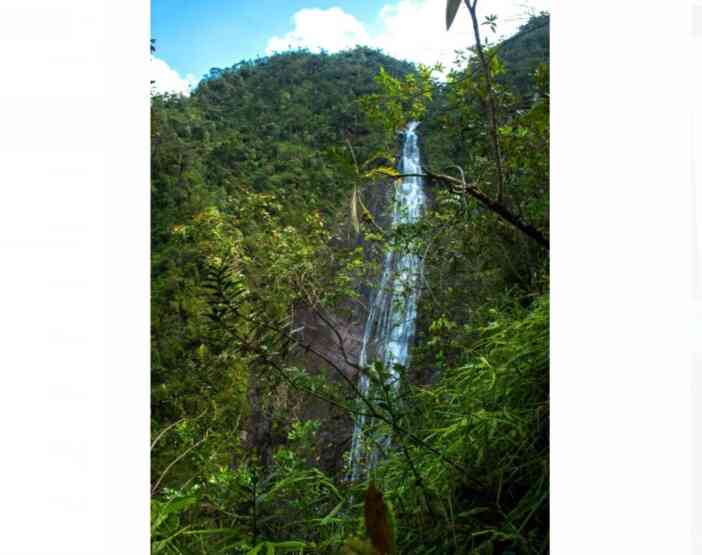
(337, 335)
(335, 338)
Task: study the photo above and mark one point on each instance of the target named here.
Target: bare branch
(492, 205)
(491, 102)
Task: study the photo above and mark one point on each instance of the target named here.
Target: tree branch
(492, 205)
(491, 103)
(372, 411)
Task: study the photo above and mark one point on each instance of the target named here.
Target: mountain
(272, 192)
(523, 52)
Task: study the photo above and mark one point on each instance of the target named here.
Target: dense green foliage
(252, 179)
(522, 53)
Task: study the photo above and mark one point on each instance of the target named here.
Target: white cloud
(316, 29)
(167, 79)
(413, 30)
(416, 29)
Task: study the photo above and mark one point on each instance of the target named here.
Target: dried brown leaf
(377, 521)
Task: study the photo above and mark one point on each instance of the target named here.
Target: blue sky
(193, 36)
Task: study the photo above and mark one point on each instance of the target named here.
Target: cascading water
(391, 320)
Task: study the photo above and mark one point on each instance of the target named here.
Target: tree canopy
(270, 190)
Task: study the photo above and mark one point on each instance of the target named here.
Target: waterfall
(391, 319)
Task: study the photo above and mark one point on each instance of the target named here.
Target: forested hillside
(272, 186)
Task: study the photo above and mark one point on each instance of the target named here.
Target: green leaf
(451, 9)
(354, 211)
(272, 547)
(357, 546)
(290, 545)
(385, 171)
(327, 518)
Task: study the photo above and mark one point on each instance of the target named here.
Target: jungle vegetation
(263, 188)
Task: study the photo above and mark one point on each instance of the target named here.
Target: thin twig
(170, 426)
(175, 461)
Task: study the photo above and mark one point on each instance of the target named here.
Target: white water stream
(389, 328)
